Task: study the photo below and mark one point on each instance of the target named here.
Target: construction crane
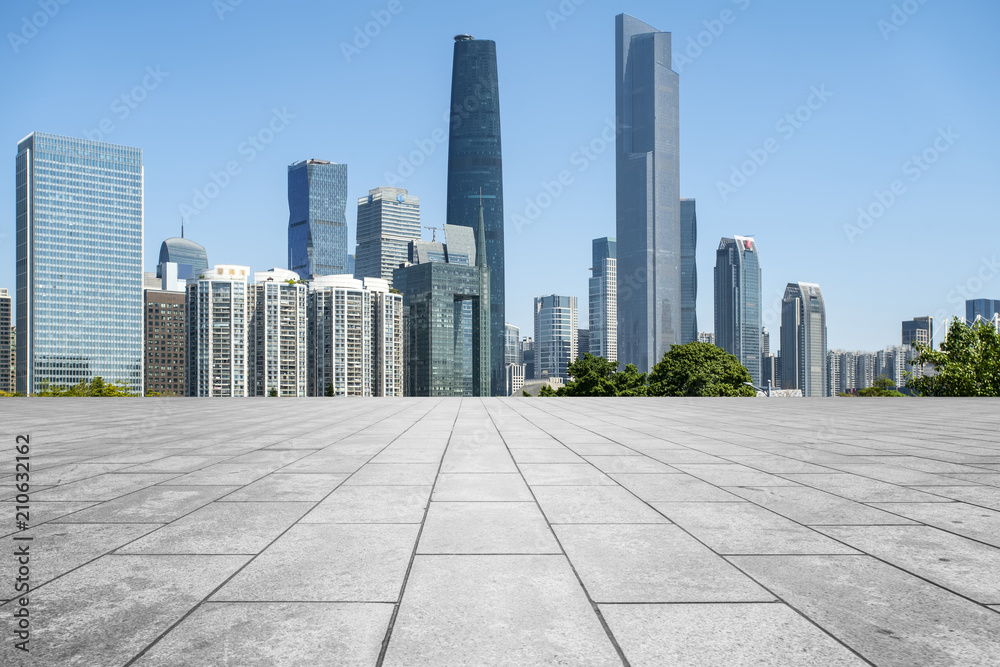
(434, 232)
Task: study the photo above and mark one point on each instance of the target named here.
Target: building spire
(182, 226)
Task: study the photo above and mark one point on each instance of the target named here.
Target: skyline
(905, 96)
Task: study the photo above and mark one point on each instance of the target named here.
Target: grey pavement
(642, 532)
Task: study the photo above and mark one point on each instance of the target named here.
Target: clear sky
(200, 77)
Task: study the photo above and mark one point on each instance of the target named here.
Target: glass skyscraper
(603, 303)
(803, 339)
(689, 271)
(985, 308)
(317, 218)
(388, 219)
(555, 335)
(738, 302)
(475, 172)
(79, 262)
(650, 291)
(190, 257)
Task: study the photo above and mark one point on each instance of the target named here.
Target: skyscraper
(737, 302)
(689, 271)
(277, 334)
(512, 345)
(555, 335)
(803, 339)
(165, 370)
(984, 308)
(603, 303)
(217, 310)
(918, 330)
(475, 172)
(5, 311)
(388, 219)
(79, 262)
(190, 257)
(317, 218)
(650, 294)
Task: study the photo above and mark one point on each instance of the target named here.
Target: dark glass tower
(650, 297)
(475, 167)
(689, 271)
(738, 302)
(317, 218)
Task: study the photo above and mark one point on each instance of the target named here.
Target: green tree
(524, 393)
(630, 382)
(968, 363)
(883, 386)
(95, 387)
(547, 390)
(273, 392)
(699, 369)
(592, 376)
(329, 390)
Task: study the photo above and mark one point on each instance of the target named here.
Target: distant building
(165, 334)
(515, 379)
(833, 386)
(803, 339)
(582, 342)
(689, 271)
(706, 337)
(528, 358)
(317, 218)
(191, 258)
(603, 300)
(738, 302)
(986, 309)
(512, 345)
(770, 371)
(79, 220)
(13, 357)
(388, 220)
(556, 335)
(218, 315)
(919, 330)
(278, 331)
(5, 341)
(355, 338)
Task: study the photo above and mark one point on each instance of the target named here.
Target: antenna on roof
(182, 226)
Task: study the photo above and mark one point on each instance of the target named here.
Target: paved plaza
(541, 531)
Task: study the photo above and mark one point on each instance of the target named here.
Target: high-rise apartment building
(603, 302)
(832, 373)
(13, 358)
(436, 282)
(79, 218)
(650, 292)
(317, 218)
(986, 309)
(556, 334)
(165, 336)
(218, 314)
(689, 271)
(706, 337)
(5, 341)
(277, 334)
(803, 339)
(475, 173)
(388, 219)
(738, 302)
(355, 338)
(919, 330)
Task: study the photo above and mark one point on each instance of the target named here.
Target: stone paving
(536, 531)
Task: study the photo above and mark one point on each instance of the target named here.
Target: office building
(556, 332)
(986, 309)
(13, 358)
(582, 342)
(5, 341)
(515, 379)
(706, 337)
(317, 218)
(689, 271)
(277, 335)
(650, 293)
(803, 339)
(165, 337)
(512, 345)
(190, 257)
(79, 219)
(475, 172)
(388, 219)
(918, 331)
(603, 302)
(218, 314)
(435, 283)
(528, 358)
(738, 302)
(355, 338)
(770, 371)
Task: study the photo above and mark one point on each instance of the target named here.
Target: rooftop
(507, 531)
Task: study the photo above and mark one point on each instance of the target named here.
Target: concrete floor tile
(731, 474)
(225, 474)
(278, 487)
(984, 496)
(897, 475)
(468, 457)
(677, 487)
(814, 507)
(550, 455)
(629, 464)
(394, 474)
(181, 463)
(496, 610)
(698, 635)
(323, 462)
(101, 487)
(486, 528)
(41, 512)
(483, 487)
(398, 454)
(328, 563)
(564, 474)
(862, 489)
(671, 456)
(973, 522)
(154, 504)
(372, 504)
(593, 504)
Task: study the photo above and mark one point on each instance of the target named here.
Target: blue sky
(896, 80)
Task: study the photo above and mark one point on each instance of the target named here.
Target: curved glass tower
(317, 218)
(475, 172)
(191, 258)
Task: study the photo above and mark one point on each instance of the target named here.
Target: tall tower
(388, 219)
(475, 171)
(603, 304)
(738, 302)
(317, 218)
(79, 262)
(556, 335)
(648, 195)
(689, 271)
(803, 339)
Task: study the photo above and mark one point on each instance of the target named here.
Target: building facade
(512, 345)
(317, 218)
(803, 339)
(528, 358)
(218, 314)
(986, 309)
(603, 300)
(555, 340)
(515, 379)
(650, 293)
(278, 333)
(79, 219)
(190, 257)
(689, 271)
(706, 337)
(738, 328)
(919, 330)
(388, 219)
(475, 172)
(165, 335)
(5, 341)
